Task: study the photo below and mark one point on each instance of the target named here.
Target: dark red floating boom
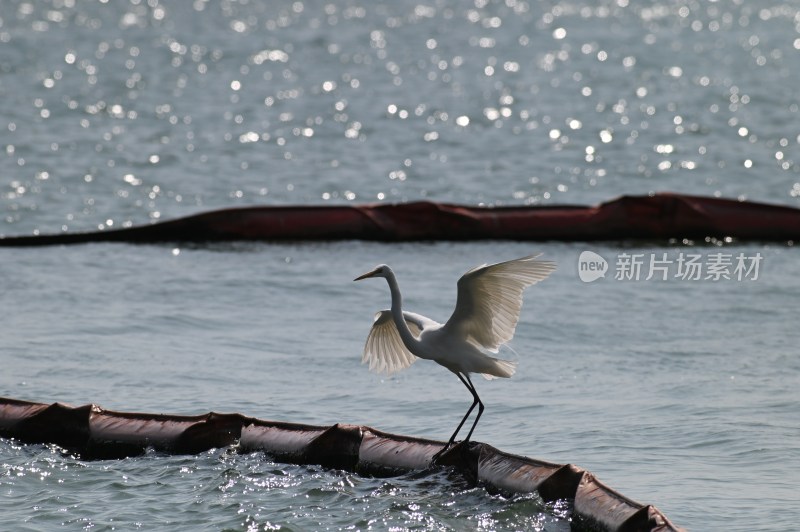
(654, 217)
(95, 433)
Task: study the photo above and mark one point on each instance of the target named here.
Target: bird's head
(381, 270)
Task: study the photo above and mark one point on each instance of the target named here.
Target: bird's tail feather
(500, 368)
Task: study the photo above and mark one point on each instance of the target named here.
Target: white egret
(487, 311)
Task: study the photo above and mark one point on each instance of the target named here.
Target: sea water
(677, 391)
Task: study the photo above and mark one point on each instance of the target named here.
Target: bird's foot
(447, 449)
(439, 453)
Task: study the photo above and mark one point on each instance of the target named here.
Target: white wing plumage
(384, 350)
(490, 299)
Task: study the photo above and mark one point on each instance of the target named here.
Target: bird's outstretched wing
(384, 350)
(490, 299)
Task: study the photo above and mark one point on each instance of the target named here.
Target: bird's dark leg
(476, 401)
(480, 405)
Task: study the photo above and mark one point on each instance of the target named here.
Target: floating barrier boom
(655, 217)
(95, 433)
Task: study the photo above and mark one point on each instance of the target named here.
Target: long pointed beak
(366, 275)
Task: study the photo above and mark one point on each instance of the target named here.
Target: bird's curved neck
(397, 298)
(397, 312)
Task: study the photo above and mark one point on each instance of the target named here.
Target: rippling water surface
(225, 491)
(676, 392)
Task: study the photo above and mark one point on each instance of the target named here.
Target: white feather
(384, 350)
(490, 300)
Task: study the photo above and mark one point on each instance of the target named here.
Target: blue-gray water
(679, 393)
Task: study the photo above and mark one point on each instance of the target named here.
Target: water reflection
(232, 103)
